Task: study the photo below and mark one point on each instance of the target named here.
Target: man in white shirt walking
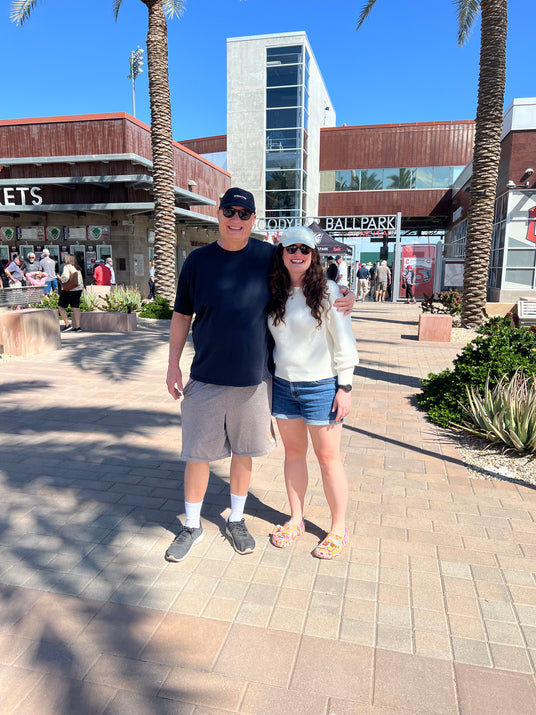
(110, 264)
(342, 277)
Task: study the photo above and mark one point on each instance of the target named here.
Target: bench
(526, 311)
(23, 295)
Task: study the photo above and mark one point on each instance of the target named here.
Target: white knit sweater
(304, 352)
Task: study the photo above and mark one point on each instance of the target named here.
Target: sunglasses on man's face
(305, 250)
(243, 214)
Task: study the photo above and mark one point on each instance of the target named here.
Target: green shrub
(124, 299)
(498, 351)
(506, 413)
(450, 302)
(50, 300)
(159, 309)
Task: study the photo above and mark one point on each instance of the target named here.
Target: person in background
(362, 282)
(71, 297)
(102, 274)
(342, 276)
(14, 271)
(30, 265)
(332, 270)
(110, 264)
(314, 355)
(409, 279)
(48, 266)
(151, 281)
(383, 278)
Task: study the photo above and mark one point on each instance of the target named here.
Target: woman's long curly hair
(314, 287)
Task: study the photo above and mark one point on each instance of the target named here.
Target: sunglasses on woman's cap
(304, 250)
(243, 214)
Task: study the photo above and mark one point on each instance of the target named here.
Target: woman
(314, 357)
(409, 278)
(71, 297)
(151, 281)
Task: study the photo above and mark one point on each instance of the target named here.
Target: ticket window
(104, 252)
(55, 255)
(25, 250)
(79, 252)
(4, 254)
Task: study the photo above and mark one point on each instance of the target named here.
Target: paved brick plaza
(431, 610)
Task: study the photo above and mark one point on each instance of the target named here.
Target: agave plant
(124, 299)
(506, 413)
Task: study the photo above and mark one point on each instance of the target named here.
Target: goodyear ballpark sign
(20, 196)
(361, 226)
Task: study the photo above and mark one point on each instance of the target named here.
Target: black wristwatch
(346, 388)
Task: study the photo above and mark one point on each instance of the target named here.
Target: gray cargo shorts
(219, 420)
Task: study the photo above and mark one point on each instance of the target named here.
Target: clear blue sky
(403, 65)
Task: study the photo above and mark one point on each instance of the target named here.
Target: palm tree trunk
(486, 156)
(162, 148)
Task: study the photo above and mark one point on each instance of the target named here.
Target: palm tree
(161, 134)
(487, 145)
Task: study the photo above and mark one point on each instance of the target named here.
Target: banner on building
(422, 259)
(31, 234)
(54, 233)
(7, 233)
(98, 233)
(76, 233)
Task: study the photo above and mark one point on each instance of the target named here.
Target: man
(332, 271)
(342, 276)
(14, 270)
(48, 266)
(30, 264)
(102, 274)
(110, 264)
(226, 410)
(362, 282)
(383, 278)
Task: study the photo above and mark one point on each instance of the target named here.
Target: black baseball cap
(238, 197)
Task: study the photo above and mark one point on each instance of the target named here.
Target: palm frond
(116, 4)
(466, 12)
(20, 10)
(365, 10)
(173, 7)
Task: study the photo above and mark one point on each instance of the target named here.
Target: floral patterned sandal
(332, 546)
(285, 535)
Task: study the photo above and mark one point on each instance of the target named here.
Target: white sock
(237, 507)
(193, 515)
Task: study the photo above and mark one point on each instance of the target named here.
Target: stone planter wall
(435, 328)
(97, 322)
(29, 332)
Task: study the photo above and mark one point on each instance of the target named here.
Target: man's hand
(345, 303)
(342, 404)
(174, 382)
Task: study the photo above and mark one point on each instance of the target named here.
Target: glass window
(342, 180)
(307, 59)
(280, 139)
(279, 118)
(371, 179)
(441, 178)
(284, 55)
(525, 259)
(455, 172)
(281, 76)
(283, 160)
(282, 179)
(284, 97)
(424, 177)
(519, 278)
(327, 181)
(399, 178)
(282, 200)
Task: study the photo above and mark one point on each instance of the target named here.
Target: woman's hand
(342, 404)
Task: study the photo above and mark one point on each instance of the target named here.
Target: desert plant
(124, 299)
(449, 302)
(505, 413)
(497, 352)
(48, 300)
(159, 309)
(89, 302)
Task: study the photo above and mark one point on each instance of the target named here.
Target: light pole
(136, 64)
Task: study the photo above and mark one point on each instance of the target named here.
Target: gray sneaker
(181, 545)
(241, 539)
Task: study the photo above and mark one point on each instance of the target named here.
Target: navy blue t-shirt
(228, 292)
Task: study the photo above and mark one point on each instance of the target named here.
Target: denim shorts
(310, 401)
